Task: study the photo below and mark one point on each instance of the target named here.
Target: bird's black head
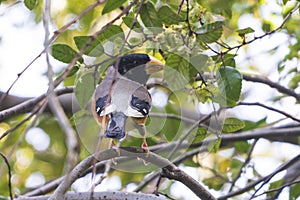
(133, 67)
(138, 67)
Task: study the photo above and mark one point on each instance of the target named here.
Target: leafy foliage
(230, 85)
(111, 5)
(201, 43)
(30, 4)
(64, 53)
(210, 32)
(232, 125)
(150, 17)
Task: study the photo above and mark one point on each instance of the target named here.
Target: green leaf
(294, 82)
(230, 84)
(214, 146)
(84, 89)
(235, 167)
(95, 49)
(232, 125)
(178, 63)
(111, 33)
(295, 191)
(64, 53)
(215, 183)
(111, 5)
(135, 41)
(170, 127)
(168, 16)
(2, 1)
(210, 32)
(241, 146)
(199, 62)
(250, 125)
(244, 31)
(228, 60)
(30, 4)
(176, 72)
(149, 17)
(276, 184)
(200, 135)
(73, 70)
(129, 21)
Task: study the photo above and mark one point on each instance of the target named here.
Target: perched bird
(122, 94)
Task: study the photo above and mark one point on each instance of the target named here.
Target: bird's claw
(112, 145)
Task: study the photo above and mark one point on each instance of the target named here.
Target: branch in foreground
(170, 170)
(99, 196)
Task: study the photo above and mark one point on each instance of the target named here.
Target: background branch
(13, 105)
(9, 175)
(266, 81)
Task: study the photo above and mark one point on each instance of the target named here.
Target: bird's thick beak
(154, 65)
(116, 126)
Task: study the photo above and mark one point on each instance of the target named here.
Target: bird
(122, 95)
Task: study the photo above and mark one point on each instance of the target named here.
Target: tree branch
(272, 84)
(58, 32)
(264, 179)
(170, 170)
(269, 108)
(25, 105)
(99, 196)
(9, 175)
(278, 134)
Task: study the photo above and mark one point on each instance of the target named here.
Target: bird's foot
(112, 145)
(145, 147)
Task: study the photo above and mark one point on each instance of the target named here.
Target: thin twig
(280, 168)
(187, 18)
(34, 111)
(244, 43)
(272, 84)
(173, 116)
(19, 75)
(287, 17)
(51, 40)
(188, 132)
(264, 179)
(9, 175)
(180, 7)
(269, 108)
(277, 189)
(249, 153)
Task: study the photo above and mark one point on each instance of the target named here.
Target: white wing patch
(108, 109)
(130, 112)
